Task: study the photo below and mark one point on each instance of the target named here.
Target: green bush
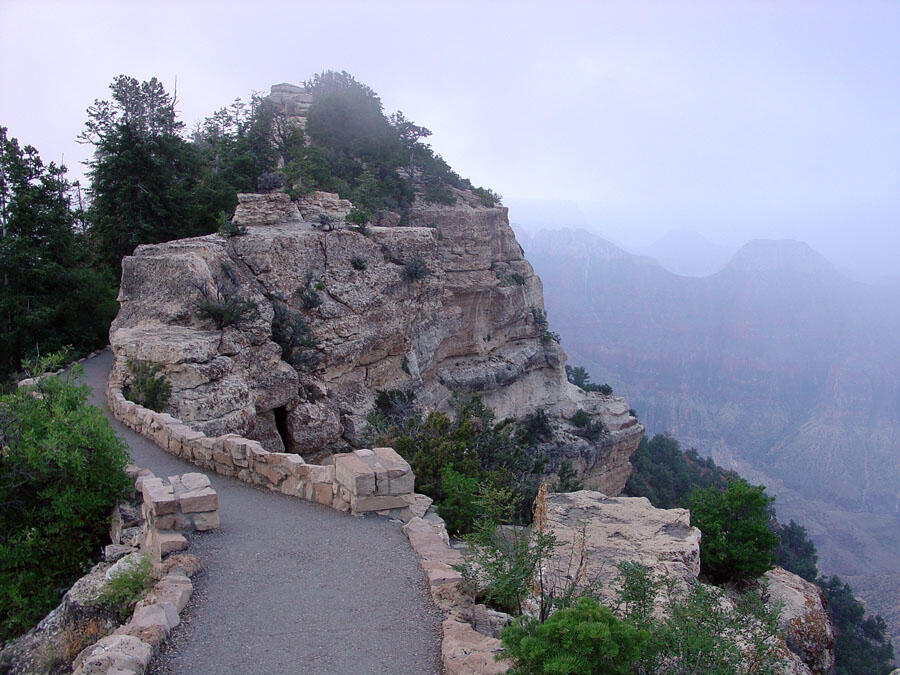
(127, 587)
(581, 419)
(493, 454)
(358, 263)
(146, 386)
(863, 643)
(414, 269)
(228, 228)
(701, 634)
(737, 543)
(567, 478)
(299, 345)
(224, 307)
(62, 469)
(605, 389)
(585, 638)
(459, 507)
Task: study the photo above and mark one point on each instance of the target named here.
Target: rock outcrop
(803, 619)
(469, 320)
(599, 532)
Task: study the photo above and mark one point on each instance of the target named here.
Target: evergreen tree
(737, 543)
(142, 173)
(50, 294)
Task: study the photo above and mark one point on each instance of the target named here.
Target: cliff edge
(334, 314)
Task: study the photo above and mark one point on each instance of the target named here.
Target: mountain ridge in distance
(777, 362)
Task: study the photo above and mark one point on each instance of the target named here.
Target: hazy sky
(733, 119)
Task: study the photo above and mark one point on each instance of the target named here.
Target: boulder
(604, 531)
(802, 617)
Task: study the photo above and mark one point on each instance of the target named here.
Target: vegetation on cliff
(463, 461)
(152, 182)
(669, 477)
(62, 469)
(51, 294)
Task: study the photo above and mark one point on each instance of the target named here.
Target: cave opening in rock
(281, 424)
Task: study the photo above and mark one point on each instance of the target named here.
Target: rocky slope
(469, 322)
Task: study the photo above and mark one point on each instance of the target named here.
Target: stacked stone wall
(362, 481)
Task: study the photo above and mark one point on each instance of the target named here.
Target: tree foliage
(61, 471)
(143, 173)
(495, 455)
(666, 475)
(862, 644)
(586, 638)
(737, 543)
(50, 293)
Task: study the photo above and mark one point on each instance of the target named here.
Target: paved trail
(291, 587)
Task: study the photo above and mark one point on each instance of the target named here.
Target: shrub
(309, 292)
(494, 454)
(271, 181)
(737, 543)
(146, 386)
(502, 562)
(295, 337)
(795, 552)
(605, 389)
(358, 263)
(701, 634)
(127, 587)
(585, 638)
(459, 507)
(487, 196)
(537, 426)
(414, 269)
(62, 469)
(567, 478)
(228, 228)
(224, 307)
(581, 419)
(358, 218)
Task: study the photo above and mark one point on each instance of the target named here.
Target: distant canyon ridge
(777, 365)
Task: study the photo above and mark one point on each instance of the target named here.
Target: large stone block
(202, 499)
(170, 542)
(354, 474)
(158, 497)
(205, 521)
(362, 504)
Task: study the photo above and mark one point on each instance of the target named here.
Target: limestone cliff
(471, 323)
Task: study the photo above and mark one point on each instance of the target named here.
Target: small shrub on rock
(414, 269)
(146, 386)
(224, 307)
(228, 228)
(358, 263)
(567, 478)
(295, 337)
(586, 638)
(127, 587)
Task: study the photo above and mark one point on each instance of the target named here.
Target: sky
(735, 120)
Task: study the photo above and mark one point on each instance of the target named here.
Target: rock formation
(445, 303)
(599, 532)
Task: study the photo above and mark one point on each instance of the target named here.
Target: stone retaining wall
(361, 481)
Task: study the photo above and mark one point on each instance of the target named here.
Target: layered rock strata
(446, 304)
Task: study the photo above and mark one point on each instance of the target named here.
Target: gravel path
(291, 587)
